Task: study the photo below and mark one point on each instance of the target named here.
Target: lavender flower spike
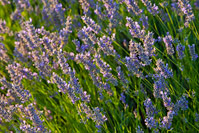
(193, 54)
(90, 23)
(162, 69)
(153, 9)
(180, 50)
(168, 41)
(133, 7)
(187, 10)
(135, 29)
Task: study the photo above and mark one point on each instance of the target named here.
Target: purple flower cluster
(168, 41)
(137, 49)
(123, 98)
(13, 103)
(132, 7)
(144, 20)
(121, 76)
(70, 89)
(192, 52)
(172, 108)
(4, 29)
(182, 104)
(87, 36)
(147, 39)
(105, 45)
(21, 5)
(167, 120)
(135, 28)
(180, 50)
(67, 29)
(196, 117)
(17, 73)
(105, 70)
(159, 87)
(30, 113)
(6, 109)
(139, 55)
(187, 10)
(53, 13)
(112, 13)
(89, 64)
(167, 101)
(91, 24)
(133, 65)
(150, 121)
(85, 6)
(148, 44)
(93, 114)
(163, 70)
(48, 52)
(3, 56)
(98, 11)
(175, 7)
(153, 9)
(150, 109)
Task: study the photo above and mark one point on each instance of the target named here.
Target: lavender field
(108, 66)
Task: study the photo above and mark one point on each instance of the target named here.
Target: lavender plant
(99, 66)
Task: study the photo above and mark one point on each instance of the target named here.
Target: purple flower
(150, 109)
(182, 104)
(21, 5)
(168, 41)
(148, 44)
(159, 87)
(112, 13)
(4, 29)
(187, 10)
(180, 50)
(87, 36)
(105, 45)
(122, 98)
(133, 7)
(90, 23)
(3, 53)
(192, 52)
(136, 48)
(167, 120)
(98, 11)
(144, 20)
(133, 65)
(105, 69)
(85, 6)
(53, 13)
(122, 76)
(64, 33)
(163, 70)
(93, 114)
(153, 9)
(64, 87)
(98, 117)
(167, 101)
(62, 61)
(135, 28)
(196, 117)
(151, 122)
